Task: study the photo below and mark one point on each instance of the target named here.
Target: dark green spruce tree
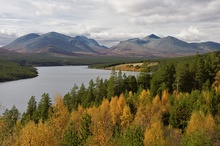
(43, 107)
(71, 99)
(85, 128)
(100, 91)
(163, 79)
(90, 97)
(30, 113)
(111, 88)
(11, 117)
(71, 137)
(184, 78)
(144, 77)
(200, 74)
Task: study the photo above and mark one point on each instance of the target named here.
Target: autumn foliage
(132, 118)
(113, 123)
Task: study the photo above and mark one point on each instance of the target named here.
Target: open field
(131, 66)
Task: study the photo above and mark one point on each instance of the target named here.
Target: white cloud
(8, 32)
(49, 8)
(192, 34)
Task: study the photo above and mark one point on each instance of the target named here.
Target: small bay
(52, 80)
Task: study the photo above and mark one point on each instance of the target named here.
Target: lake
(52, 80)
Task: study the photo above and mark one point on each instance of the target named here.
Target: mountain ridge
(149, 46)
(165, 47)
(54, 42)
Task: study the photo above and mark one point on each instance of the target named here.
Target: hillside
(10, 71)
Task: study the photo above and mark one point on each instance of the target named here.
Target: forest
(178, 104)
(10, 71)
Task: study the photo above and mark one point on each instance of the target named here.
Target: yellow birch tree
(154, 134)
(59, 117)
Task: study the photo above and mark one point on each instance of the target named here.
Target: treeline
(12, 71)
(150, 109)
(52, 60)
(186, 75)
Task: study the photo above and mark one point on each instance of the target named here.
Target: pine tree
(71, 99)
(11, 117)
(43, 107)
(163, 79)
(71, 137)
(143, 79)
(8, 121)
(30, 113)
(89, 99)
(184, 78)
(200, 74)
(132, 136)
(112, 84)
(217, 80)
(85, 128)
(132, 83)
(100, 91)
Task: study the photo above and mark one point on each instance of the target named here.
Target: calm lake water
(52, 80)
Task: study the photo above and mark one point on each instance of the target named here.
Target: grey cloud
(110, 19)
(171, 10)
(6, 39)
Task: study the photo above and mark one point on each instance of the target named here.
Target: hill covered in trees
(12, 71)
(179, 104)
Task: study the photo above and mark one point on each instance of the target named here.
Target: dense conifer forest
(12, 71)
(178, 104)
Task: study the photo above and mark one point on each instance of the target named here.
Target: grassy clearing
(131, 66)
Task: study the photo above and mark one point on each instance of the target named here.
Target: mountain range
(151, 46)
(54, 43)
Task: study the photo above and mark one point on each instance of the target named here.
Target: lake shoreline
(52, 80)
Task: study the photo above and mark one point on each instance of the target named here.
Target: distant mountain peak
(30, 35)
(153, 36)
(53, 33)
(80, 37)
(173, 39)
(27, 37)
(170, 37)
(85, 40)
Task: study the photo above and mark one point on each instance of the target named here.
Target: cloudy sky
(111, 21)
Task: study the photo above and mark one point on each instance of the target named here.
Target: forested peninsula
(178, 104)
(10, 71)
